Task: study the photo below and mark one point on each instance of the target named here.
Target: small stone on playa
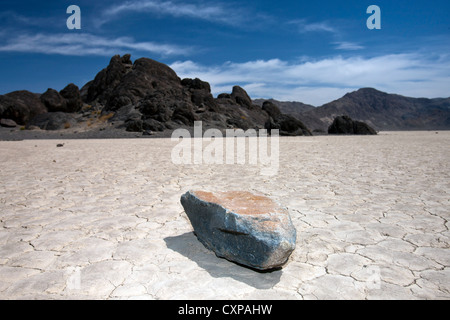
(249, 229)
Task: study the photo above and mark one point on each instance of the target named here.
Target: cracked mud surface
(102, 219)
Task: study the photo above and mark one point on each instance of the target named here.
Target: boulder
(363, 128)
(126, 113)
(72, 95)
(53, 121)
(287, 125)
(8, 123)
(345, 125)
(21, 106)
(241, 97)
(53, 101)
(147, 80)
(106, 80)
(271, 109)
(153, 125)
(134, 125)
(200, 93)
(242, 227)
(184, 115)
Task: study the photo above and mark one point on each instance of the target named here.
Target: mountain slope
(380, 110)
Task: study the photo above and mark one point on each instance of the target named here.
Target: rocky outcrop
(104, 83)
(148, 96)
(345, 125)
(53, 121)
(241, 97)
(67, 100)
(242, 227)
(20, 106)
(71, 93)
(53, 101)
(271, 109)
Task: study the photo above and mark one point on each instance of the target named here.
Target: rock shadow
(188, 245)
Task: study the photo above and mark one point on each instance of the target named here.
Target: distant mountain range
(380, 110)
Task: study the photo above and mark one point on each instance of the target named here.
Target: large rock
(242, 227)
(148, 80)
(20, 106)
(241, 97)
(271, 109)
(345, 125)
(53, 101)
(200, 93)
(106, 80)
(71, 93)
(8, 123)
(287, 125)
(53, 121)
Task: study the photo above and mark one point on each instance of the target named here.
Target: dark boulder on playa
(287, 125)
(345, 125)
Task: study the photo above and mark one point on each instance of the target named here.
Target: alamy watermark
(74, 21)
(73, 281)
(237, 147)
(374, 21)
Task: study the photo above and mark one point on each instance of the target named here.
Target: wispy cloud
(84, 45)
(13, 18)
(319, 81)
(344, 45)
(214, 12)
(303, 26)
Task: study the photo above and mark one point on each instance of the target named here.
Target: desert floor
(102, 219)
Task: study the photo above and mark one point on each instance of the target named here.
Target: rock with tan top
(243, 227)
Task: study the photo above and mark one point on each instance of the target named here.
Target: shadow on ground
(188, 245)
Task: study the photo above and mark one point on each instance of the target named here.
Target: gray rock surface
(242, 227)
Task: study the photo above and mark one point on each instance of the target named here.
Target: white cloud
(305, 27)
(319, 81)
(84, 44)
(214, 12)
(347, 46)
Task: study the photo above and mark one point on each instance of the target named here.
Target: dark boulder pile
(345, 125)
(143, 96)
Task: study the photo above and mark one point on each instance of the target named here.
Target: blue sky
(309, 51)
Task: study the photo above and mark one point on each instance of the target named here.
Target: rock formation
(67, 100)
(20, 106)
(345, 125)
(249, 229)
(146, 96)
